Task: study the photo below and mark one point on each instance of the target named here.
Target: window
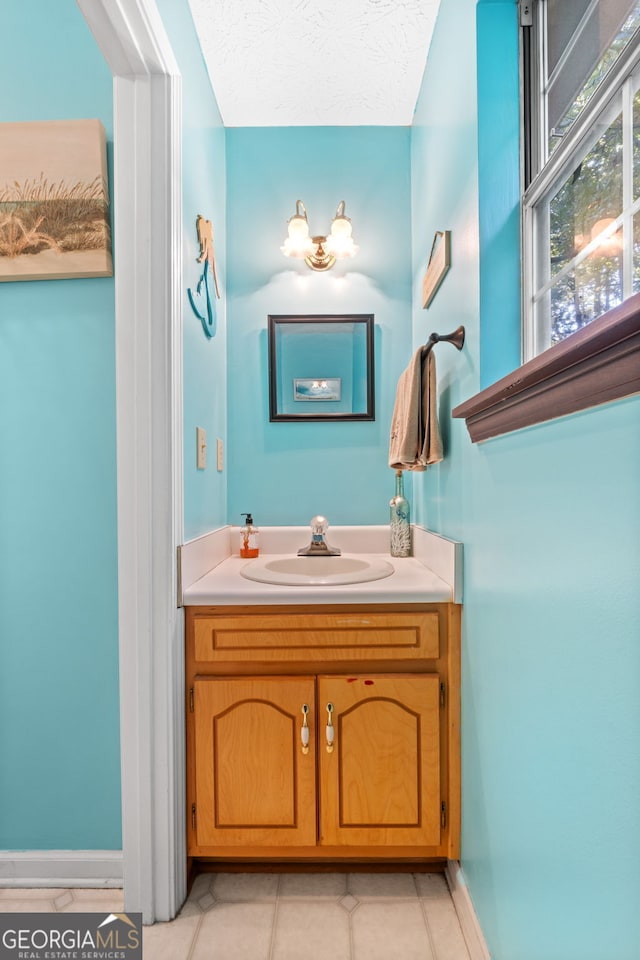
(581, 212)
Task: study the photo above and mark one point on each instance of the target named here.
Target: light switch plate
(219, 455)
(201, 448)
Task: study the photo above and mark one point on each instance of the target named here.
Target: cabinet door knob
(330, 729)
(304, 730)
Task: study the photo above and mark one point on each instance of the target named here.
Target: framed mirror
(321, 367)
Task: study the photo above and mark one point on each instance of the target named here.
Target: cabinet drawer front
(332, 637)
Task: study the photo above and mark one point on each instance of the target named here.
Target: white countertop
(210, 568)
(411, 582)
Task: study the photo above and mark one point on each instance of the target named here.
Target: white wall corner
(61, 868)
(471, 930)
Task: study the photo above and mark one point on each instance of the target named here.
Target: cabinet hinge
(443, 814)
(525, 9)
(443, 691)
(193, 816)
(190, 699)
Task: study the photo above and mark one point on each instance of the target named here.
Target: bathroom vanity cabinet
(323, 733)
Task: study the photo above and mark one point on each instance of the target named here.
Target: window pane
(563, 19)
(588, 201)
(582, 207)
(636, 145)
(589, 290)
(591, 45)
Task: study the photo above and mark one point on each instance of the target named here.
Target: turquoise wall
(549, 517)
(59, 728)
(285, 473)
(59, 724)
(204, 358)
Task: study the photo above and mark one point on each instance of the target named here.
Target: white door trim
(148, 271)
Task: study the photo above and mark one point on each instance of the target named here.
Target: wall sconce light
(319, 253)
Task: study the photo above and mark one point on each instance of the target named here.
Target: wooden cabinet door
(380, 785)
(254, 784)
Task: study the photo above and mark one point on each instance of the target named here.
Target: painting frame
(54, 201)
(438, 266)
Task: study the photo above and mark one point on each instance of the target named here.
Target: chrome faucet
(319, 546)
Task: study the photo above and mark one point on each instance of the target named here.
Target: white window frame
(623, 80)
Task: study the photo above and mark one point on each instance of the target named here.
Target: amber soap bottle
(249, 534)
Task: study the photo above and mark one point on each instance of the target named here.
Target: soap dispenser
(249, 538)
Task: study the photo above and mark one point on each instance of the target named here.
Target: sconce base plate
(320, 260)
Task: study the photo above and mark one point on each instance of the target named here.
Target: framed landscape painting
(54, 201)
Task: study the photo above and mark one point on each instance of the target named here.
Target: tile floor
(268, 916)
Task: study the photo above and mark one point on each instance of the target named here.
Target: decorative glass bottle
(400, 521)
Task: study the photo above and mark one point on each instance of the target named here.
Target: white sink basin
(316, 571)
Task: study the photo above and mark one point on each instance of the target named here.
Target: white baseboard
(472, 932)
(60, 868)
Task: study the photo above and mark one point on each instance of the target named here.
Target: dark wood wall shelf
(597, 364)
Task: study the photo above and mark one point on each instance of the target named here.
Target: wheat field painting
(54, 201)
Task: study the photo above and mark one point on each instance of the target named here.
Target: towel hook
(456, 338)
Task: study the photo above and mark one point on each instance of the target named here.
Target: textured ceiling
(315, 62)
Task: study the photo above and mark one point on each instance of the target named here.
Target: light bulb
(341, 246)
(298, 227)
(298, 243)
(340, 242)
(341, 227)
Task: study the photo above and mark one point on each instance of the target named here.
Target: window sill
(597, 364)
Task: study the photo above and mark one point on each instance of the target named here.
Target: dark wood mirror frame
(319, 409)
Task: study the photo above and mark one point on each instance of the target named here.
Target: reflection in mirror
(321, 367)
